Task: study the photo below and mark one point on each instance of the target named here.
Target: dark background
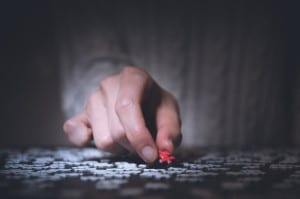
(30, 76)
(30, 101)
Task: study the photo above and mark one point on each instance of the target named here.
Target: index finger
(133, 85)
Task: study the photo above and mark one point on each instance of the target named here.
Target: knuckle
(123, 103)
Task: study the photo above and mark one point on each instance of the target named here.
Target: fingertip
(70, 126)
(165, 145)
(168, 141)
(81, 139)
(141, 140)
(149, 154)
(78, 133)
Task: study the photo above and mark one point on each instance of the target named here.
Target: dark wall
(30, 86)
(293, 65)
(30, 101)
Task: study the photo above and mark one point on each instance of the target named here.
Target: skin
(129, 112)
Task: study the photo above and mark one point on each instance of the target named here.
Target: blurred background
(30, 101)
(31, 112)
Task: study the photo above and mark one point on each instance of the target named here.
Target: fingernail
(149, 154)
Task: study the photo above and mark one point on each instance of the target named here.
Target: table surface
(89, 173)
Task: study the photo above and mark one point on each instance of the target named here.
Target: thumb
(168, 125)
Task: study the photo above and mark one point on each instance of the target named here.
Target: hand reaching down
(129, 111)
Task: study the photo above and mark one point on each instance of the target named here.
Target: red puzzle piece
(165, 156)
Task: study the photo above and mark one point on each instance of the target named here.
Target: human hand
(129, 111)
